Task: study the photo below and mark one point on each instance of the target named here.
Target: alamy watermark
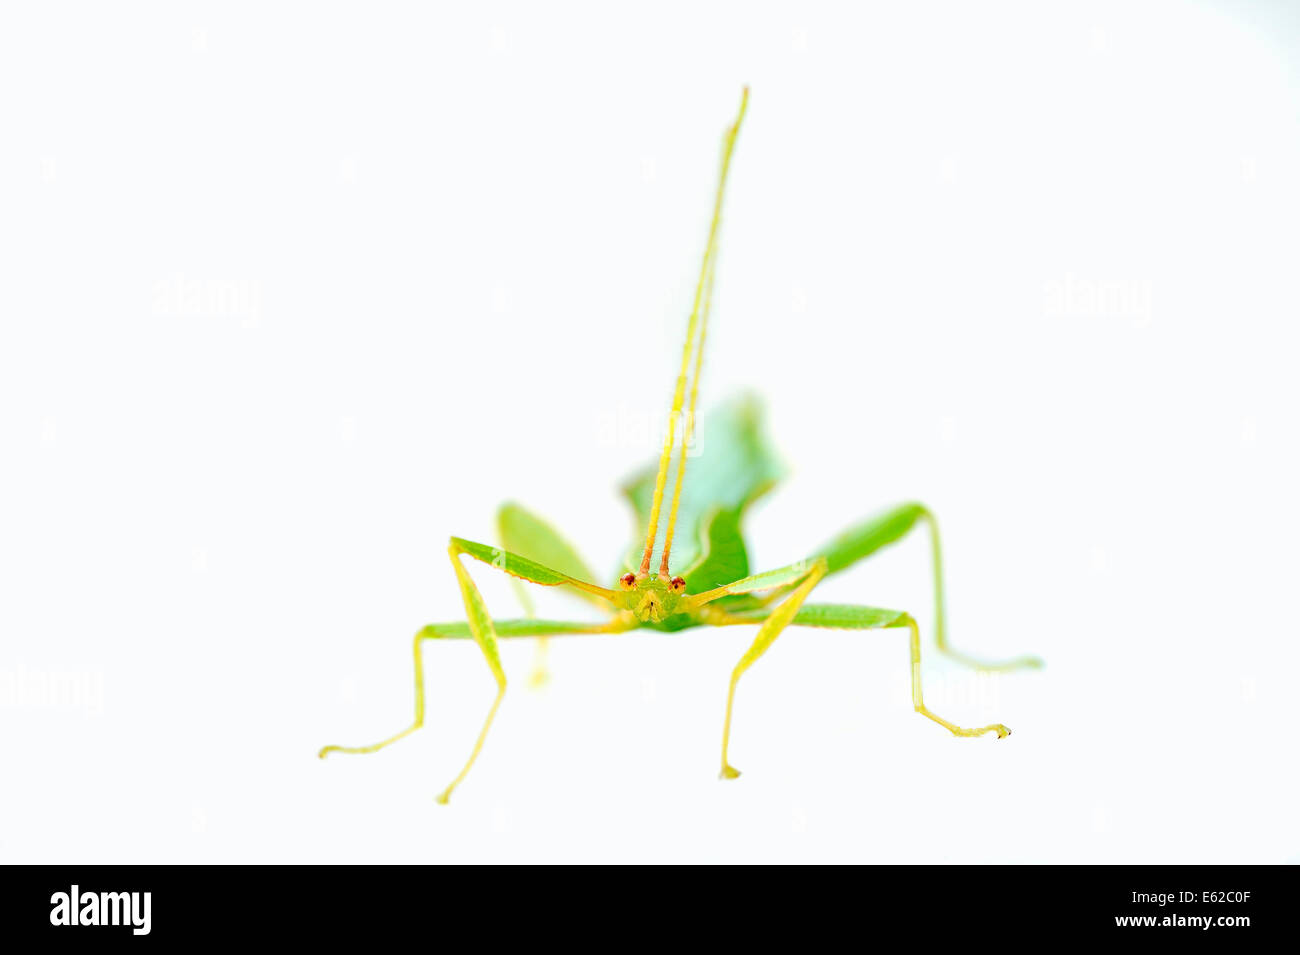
(35, 688)
(621, 426)
(181, 297)
(1076, 297)
(102, 908)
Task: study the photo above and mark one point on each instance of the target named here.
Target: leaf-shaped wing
(729, 465)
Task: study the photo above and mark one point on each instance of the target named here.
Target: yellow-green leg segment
(480, 627)
(918, 700)
(772, 626)
(793, 611)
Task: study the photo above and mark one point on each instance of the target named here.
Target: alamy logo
(101, 908)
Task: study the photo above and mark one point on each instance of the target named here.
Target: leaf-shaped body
(730, 465)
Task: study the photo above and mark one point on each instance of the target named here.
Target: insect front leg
(484, 634)
(864, 539)
(772, 626)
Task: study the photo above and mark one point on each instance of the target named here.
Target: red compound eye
(678, 584)
(628, 580)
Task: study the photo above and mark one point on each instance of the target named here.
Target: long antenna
(688, 427)
(679, 395)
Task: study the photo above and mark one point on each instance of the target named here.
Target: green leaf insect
(703, 576)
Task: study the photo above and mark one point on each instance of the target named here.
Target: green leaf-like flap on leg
(532, 538)
(512, 564)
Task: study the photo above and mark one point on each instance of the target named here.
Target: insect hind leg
(865, 538)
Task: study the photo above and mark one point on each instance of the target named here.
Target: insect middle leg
(505, 629)
(840, 617)
(864, 539)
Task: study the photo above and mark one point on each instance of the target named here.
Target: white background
(290, 294)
